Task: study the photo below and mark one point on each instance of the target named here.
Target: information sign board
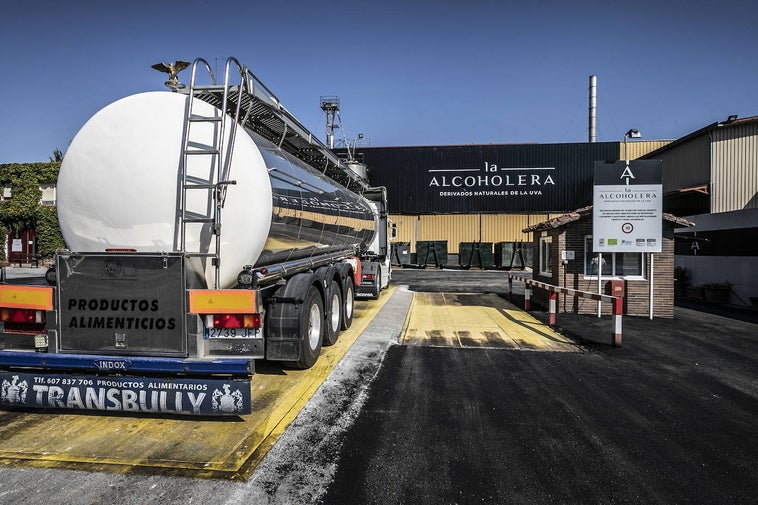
(627, 212)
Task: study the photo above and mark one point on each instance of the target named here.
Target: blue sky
(407, 72)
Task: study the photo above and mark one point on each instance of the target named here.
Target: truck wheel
(333, 313)
(310, 324)
(377, 285)
(348, 301)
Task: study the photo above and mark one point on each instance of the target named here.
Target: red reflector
(237, 321)
(21, 316)
(120, 250)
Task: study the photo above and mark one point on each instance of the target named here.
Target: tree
(57, 155)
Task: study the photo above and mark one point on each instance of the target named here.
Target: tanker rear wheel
(348, 303)
(310, 328)
(334, 313)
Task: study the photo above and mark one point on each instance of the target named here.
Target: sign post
(627, 212)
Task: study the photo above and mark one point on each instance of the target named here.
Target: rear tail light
(233, 321)
(23, 320)
(368, 277)
(22, 316)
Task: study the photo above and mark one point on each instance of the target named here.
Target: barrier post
(618, 309)
(510, 288)
(527, 296)
(553, 305)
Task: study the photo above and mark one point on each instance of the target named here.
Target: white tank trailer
(205, 230)
(118, 190)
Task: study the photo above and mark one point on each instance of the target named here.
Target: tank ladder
(206, 162)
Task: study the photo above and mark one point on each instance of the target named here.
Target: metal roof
(701, 131)
(578, 214)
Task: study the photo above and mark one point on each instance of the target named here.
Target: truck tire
(348, 303)
(377, 285)
(334, 308)
(311, 327)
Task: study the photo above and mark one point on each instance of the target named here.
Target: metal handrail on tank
(250, 104)
(286, 132)
(257, 89)
(221, 162)
(182, 180)
(233, 131)
(303, 131)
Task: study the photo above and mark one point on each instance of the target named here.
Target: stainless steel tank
(118, 189)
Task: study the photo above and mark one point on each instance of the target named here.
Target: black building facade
(518, 178)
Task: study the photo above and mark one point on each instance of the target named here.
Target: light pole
(634, 134)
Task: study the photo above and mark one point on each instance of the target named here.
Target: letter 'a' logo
(627, 174)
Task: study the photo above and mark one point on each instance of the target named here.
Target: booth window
(613, 264)
(546, 255)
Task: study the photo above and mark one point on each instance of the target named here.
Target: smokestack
(593, 108)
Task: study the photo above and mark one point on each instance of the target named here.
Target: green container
(401, 253)
(475, 254)
(513, 255)
(527, 251)
(431, 253)
(504, 254)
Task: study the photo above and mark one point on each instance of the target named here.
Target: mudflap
(284, 321)
(370, 285)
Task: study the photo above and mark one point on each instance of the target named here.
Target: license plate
(230, 333)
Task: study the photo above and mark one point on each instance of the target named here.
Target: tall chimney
(593, 108)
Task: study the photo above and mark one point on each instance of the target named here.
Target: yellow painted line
(477, 320)
(198, 447)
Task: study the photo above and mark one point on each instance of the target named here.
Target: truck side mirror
(393, 231)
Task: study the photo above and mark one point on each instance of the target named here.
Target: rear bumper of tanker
(135, 384)
(85, 363)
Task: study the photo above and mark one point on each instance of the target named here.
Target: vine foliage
(22, 211)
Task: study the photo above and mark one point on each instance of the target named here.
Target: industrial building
(712, 170)
(492, 193)
(711, 177)
(487, 193)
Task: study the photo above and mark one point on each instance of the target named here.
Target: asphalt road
(670, 417)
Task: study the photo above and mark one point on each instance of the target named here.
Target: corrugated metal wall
(687, 167)
(734, 165)
(457, 228)
(635, 149)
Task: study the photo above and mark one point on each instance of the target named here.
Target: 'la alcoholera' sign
(627, 208)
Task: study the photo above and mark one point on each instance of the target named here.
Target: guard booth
(564, 256)
(22, 248)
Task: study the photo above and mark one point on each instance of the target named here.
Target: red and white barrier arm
(617, 301)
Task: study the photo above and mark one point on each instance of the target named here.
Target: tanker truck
(206, 228)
